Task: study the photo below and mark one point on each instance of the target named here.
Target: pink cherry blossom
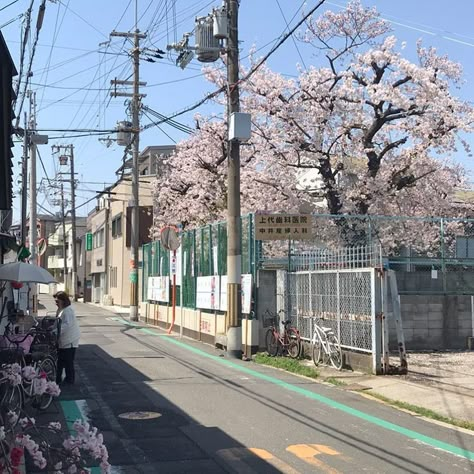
(370, 131)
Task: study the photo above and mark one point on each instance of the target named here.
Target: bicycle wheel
(10, 400)
(335, 352)
(317, 352)
(271, 342)
(294, 343)
(46, 367)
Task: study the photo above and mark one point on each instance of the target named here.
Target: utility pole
(73, 224)
(33, 219)
(24, 184)
(63, 216)
(135, 205)
(64, 159)
(234, 257)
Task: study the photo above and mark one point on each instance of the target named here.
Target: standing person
(68, 338)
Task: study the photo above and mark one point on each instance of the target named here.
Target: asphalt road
(208, 413)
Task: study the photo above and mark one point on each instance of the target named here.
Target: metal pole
(33, 218)
(173, 292)
(135, 203)
(73, 230)
(234, 257)
(24, 184)
(63, 216)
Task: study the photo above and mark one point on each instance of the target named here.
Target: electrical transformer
(207, 46)
(124, 134)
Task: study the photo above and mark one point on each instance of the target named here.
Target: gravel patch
(446, 369)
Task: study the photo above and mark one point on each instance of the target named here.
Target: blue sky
(72, 70)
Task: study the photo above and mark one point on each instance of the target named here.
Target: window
(117, 226)
(99, 238)
(113, 277)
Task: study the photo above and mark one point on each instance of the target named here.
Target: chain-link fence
(337, 287)
(431, 255)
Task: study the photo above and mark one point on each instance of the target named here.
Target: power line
(78, 90)
(9, 5)
(81, 18)
(39, 24)
(179, 126)
(9, 22)
(55, 37)
(288, 27)
(247, 76)
(26, 33)
(42, 165)
(162, 131)
(441, 33)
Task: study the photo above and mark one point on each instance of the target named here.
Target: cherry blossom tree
(192, 186)
(375, 130)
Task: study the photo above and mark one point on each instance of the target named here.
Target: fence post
(194, 273)
(377, 309)
(253, 266)
(443, 255)
(288, 286)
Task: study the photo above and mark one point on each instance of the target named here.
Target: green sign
(23, 253)
(88, 241)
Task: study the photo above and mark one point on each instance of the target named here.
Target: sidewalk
(442, 382)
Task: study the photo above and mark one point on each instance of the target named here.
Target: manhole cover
(140, 415)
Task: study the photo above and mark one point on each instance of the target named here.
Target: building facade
(110, 226)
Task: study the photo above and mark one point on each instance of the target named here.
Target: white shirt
(70, 332)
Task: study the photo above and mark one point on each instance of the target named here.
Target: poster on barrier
(246, 283)
(158, 289)
(208, 292)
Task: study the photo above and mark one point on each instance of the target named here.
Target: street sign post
(170, 240)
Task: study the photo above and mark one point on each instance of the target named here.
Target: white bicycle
(326, 347)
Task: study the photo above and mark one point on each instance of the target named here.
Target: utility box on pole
(240, 126)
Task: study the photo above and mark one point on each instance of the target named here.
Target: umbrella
(25, 272)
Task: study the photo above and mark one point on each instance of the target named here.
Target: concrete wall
(435, 321)
(202, 325)
(418, 282)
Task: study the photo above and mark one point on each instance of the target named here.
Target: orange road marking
(237, 457)
(309, 452)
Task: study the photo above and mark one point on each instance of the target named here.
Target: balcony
(55, 240)
(55, 261)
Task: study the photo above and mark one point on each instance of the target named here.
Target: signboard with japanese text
(283, 226)
(158, 289)
(89, 238)
(177, 266)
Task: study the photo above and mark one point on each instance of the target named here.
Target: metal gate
(343, 287)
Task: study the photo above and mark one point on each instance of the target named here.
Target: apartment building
(108, 256)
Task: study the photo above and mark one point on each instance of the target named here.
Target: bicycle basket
(42, 347)
(51, 324)
(269, 321)
(11, 355)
